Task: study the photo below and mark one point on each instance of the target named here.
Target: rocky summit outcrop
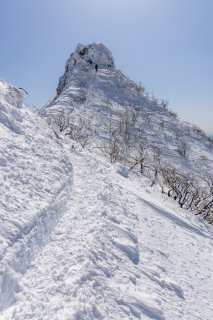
(93, 56)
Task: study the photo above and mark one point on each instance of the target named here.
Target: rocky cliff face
(92, 84)
(94, 56)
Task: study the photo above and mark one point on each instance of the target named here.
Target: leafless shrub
(164, 104)
(126, 127)
(147, 117)
(156, 167)
(138, 158)
(192, 193)
(111, 148)
(162, 125)
(122, 137)
(210, 139)
(80, 132)
(136, 107)
(60, 120)
(180, 185)
(199, 131)
(182, 147)
(205, 204)
(140, 89)
(173, 114)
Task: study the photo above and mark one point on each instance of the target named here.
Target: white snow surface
(120, 251)
(104, 244)
(35, 182)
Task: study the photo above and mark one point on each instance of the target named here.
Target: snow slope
(35, 183)
(104, 245)
(120, 251)
(96, 97)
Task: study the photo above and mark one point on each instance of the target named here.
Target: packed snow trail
(118, 252)
(35, 183)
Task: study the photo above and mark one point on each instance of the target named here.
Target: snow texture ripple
(35, 183)
(118, 252)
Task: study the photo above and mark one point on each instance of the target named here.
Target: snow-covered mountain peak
(95, 53)
(119, 119)
(91, 57)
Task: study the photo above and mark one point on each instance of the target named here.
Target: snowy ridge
(112, 116)
(100, 98)
(118, 254)
(35, 183)
(106, 245)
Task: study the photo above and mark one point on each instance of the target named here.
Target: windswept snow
(35, 182)
(119, 252)
(104, 246)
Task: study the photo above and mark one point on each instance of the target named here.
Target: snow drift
(35, 182)
(121, 251)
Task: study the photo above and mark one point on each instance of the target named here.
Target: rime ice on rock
(89, 56)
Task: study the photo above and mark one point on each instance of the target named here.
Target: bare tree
(138, 158)
(147, 117)
(182, 147)
(162, 125)
(179, 185)
(164, 104)
(194, 193)
(111, 148)
(173, 114)
(126, 129)
(80, 132)
(205, 205)
(140, 89)
(61, 121)
(157, 159)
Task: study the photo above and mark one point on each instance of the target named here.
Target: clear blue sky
(165, 44)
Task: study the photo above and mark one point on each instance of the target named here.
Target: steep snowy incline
(106, 98)
(120, 252)
(35, 183)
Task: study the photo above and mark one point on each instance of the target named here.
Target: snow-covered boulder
(35, 182)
